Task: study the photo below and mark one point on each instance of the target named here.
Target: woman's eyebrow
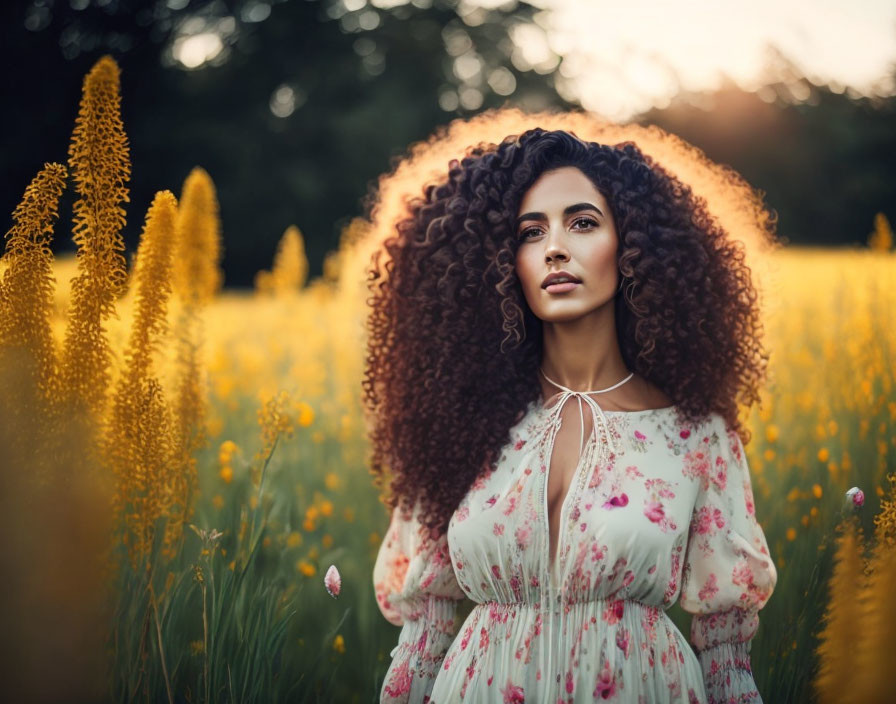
(566, 211)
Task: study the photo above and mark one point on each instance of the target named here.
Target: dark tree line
(358, 90)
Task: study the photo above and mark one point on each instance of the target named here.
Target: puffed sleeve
(728, 574)
(416, 589)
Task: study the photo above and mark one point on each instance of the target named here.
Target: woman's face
(564, 224)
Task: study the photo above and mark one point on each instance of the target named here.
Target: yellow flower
(197, 647)
(816, 490)
(771, 433)
(306, 568)
(327, 540)
(332, 481)
(326, 507)
(349, 514)
(308, 525)
(253, 501)
(312, 512)
(226, 473)
(339, 644)
(218, 501)
(791, 534)
(294, 540)
(306, 414)
(823, 454)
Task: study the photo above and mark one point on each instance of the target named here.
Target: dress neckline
(539, 405)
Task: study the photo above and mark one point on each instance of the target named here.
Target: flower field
(181, 464)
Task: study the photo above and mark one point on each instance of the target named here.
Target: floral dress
(657, 510)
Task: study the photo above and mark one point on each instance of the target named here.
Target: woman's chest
(641, 495)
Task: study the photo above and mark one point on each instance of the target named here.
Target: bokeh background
(294, 110)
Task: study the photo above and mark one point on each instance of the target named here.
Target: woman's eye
(586, 222)
(529, 231)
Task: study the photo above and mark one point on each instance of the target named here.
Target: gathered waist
(559, 604)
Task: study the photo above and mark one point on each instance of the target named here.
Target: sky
(621, 58)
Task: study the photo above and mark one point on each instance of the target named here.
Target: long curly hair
(453, 348)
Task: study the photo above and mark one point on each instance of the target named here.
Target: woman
(557, 346)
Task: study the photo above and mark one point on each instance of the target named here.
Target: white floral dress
(657, 510)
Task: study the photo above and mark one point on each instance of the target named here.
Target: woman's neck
(583, 355)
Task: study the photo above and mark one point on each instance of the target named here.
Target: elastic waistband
(559, 604)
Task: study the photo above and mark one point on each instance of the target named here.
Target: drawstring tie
(597, 411)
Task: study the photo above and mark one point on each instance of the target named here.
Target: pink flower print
(742, 573)
(639, 435)
(654, 511)
(400, 682)
(606, 685)
(570, 684)
(511, 505)
(616, 501)
(628, 578)
(613, 613)
(483, 638)
(498, 529)
(684, 434)
(708, 519)
(522, 535)
(696, 464)
(462, 513)
(720, 476)
(519, 444)
(515, 587)
(624, 640)
(748, 499)
(513, 694)
(496, 571)
(710, 588)
(490, 501)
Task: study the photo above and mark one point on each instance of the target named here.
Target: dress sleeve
(728, 574)
(416, 589)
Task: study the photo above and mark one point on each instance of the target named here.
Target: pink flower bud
(332, 581)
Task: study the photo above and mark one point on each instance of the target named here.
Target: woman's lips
(561, 288)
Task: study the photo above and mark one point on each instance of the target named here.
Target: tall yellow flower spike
(26, 290)
(139, 445)
(100, 165)
(835, 679)
(197, 275)
(197, 278)
(290, 269)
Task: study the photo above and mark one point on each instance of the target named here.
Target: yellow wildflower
(339, 644)
(218, 501)
(226, 474)
(306, 568)
(326, 507)
(823, 454)
(771, 433)
(306, 414)
(294, 540)
(332, 481)
(327, 540)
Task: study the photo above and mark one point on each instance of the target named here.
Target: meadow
(182, 464)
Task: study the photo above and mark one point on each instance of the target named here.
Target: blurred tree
(294, 107)
(299, 107)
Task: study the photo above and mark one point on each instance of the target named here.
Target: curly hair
(453, 348)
